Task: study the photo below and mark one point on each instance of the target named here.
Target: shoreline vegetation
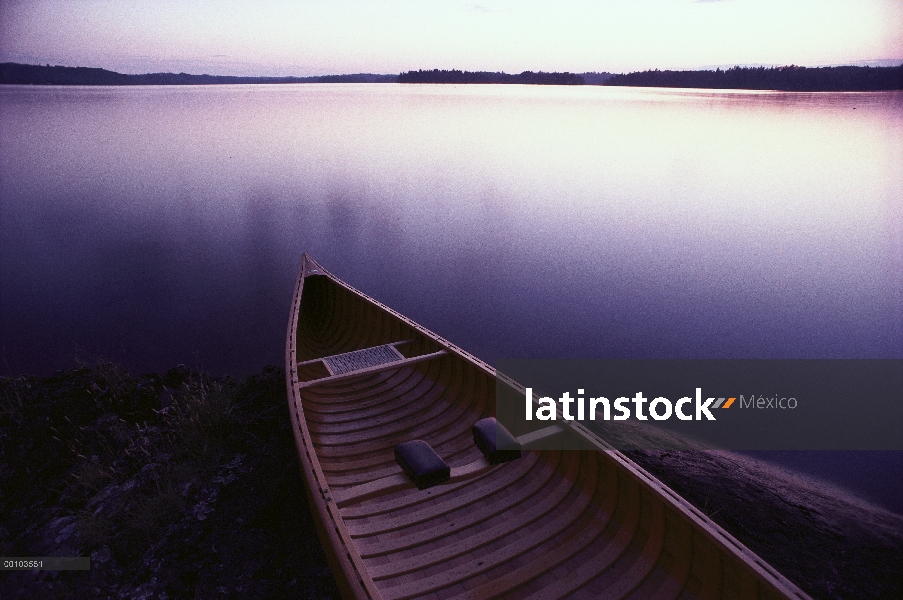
(788, 78)
(178, 485)
(186, 485)
(19, 74)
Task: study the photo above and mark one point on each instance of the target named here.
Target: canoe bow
(362, 378)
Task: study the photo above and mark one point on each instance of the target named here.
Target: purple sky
(309, 37)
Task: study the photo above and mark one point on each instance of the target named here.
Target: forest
(791, 79)
(15, 73)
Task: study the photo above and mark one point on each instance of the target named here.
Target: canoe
(363, 379)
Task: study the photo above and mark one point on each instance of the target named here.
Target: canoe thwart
(421, 463)
(358, 362)
(383, 350)
(495, 441)
(543, 434)
(339, 364)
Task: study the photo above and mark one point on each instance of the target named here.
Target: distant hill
(792, 78)
(455, 76)
(15, 73)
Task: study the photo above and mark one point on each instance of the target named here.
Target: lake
(162, 225)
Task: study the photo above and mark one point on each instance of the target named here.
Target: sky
(315, 37)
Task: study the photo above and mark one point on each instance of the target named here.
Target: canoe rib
(362, 378)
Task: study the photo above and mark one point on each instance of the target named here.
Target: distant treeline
(455, 76)
(15, 73)
(792, 79)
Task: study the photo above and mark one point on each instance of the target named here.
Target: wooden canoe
(552, 524)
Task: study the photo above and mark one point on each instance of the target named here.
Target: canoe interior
(552, 524)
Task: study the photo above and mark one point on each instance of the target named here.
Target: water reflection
(162, 225)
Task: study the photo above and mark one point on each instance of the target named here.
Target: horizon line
(895, 62)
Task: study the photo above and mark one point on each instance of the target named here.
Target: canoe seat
(329, 369)
(421, 463)
(494, 441)
(339, 364)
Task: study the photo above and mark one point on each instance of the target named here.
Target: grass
(178, 484)
(110, 455)
(143, 475)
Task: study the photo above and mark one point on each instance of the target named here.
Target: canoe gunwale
(348, 566)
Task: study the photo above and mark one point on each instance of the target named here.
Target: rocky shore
(829, 542)
(187, 486)
(176, 486)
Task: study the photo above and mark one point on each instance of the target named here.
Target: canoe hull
(584, 523)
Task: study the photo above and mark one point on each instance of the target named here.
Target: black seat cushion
(494, 441)
(421, 463)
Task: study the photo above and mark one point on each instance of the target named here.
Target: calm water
(157, 226)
